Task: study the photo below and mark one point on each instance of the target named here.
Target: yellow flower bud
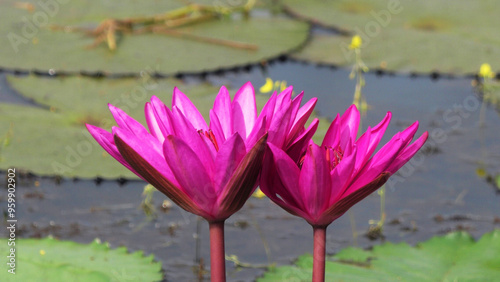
(356, 42)
(267, 87)
(485, 71)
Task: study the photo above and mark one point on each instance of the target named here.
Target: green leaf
(53, 260)
(30, 42)
(405, 36)
(454, 257)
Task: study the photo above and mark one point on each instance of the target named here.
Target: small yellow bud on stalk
(356, 42)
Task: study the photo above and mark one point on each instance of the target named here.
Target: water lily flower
(209, 170)
(329, 179)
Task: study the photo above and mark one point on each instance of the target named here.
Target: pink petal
(369, 141)
(408, 133)
(258, 131)
(349, 122)
(144, 150)
(332, 136)
(341, 175)
(300, 119)
(243, 181)
(158, 118)
(182, 102)
(339, 208)
(190, 172)
(210, 147)
(388, 152)
(306, 110)
(284, 98)
(315, 182)
(227, 160)
(376, 166)
(362, 145)
(105, 139)
(407, 153)
(280, 124)
(222, 109)
(244, 110)
(153, 126)
(133, 127)
(166, 185)
(288, 175)
(389, 149)
(126, 122)
(300, 144)
(268, 110)
(272, 186)
(296, 105)
(216, 127)
(185, 131)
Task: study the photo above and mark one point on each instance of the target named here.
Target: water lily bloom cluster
(212, 169)
(209, 170)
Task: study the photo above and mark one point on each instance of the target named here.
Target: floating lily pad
(406, 36)
(53, 260)
(29, 41)
(454, 257)
(52, 139)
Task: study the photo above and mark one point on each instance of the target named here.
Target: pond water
(440, 191)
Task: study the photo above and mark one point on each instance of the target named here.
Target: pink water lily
(189, 165)
(209, 170)
(329, 179)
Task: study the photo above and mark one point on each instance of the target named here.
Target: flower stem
(217, 254)
(319, 254)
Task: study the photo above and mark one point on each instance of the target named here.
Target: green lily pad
(53, 260)
(454, 257)
(405, 36)
(30, 43)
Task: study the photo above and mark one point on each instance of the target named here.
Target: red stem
(319, 254)
(217, 254)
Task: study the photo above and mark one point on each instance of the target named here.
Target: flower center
(210, 135)
(334, 156)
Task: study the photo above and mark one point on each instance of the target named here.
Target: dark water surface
(438, 192)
